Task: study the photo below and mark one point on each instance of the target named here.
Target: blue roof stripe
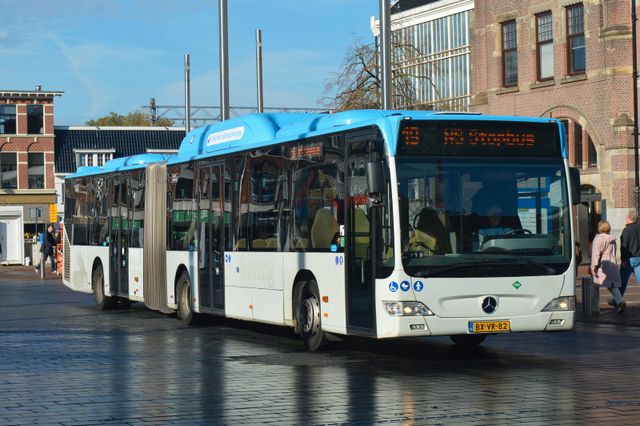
(122, 164)
(257, 130)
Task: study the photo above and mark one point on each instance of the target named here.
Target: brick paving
(64, 362)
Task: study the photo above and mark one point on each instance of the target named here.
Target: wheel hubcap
(310, 315)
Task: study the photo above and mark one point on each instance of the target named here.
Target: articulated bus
(371, 223)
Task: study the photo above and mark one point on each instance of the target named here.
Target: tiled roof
(125, 141)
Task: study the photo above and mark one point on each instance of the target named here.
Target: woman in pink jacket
(604, 268)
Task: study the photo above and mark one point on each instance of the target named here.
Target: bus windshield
(482, 217)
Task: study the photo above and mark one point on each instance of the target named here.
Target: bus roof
(139, 161)
(253, 131)
(259, 130)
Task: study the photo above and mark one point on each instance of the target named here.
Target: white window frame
(93, 154)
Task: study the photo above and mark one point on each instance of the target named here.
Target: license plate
(489, 326)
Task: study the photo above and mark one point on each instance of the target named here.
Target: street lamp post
(385, 50)
(634, 56)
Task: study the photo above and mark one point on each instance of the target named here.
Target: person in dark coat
(630, 250)
(48, 249)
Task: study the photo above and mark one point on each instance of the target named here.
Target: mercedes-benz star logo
(489, 305)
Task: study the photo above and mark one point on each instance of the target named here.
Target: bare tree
(356, 85)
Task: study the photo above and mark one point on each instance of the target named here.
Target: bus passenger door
(360, 281)
(119, 237)
(210, 275)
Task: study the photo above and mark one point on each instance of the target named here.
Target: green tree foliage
(136, 118)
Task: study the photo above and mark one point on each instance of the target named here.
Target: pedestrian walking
(48, 251)
(604, 268)
(630, 250)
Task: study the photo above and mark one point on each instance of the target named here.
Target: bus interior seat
(302, 243)
(241, 244)
(324, 228)
(271, 244)
(361, 227)
(430, 223)
(258, 243)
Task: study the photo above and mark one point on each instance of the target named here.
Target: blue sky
(114, 55)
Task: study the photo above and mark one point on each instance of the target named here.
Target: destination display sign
(479, 138)
(308, 151)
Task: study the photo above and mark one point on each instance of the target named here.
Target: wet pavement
(64, 362)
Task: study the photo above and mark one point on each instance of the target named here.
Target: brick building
(571, 60)
(26, 165)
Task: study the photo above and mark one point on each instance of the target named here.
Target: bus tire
(103, 301)
(185, 300)
(468, 340)
(310, 318)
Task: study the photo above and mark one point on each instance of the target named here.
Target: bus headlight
(565, 303)
(407, 309)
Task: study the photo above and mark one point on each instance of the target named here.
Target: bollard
(586, 296)
(590, 297)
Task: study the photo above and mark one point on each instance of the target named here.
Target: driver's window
(431, 229)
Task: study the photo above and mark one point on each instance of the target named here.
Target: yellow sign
(53, 213)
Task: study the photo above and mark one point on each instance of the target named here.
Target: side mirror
(574, 182)
(375, 177)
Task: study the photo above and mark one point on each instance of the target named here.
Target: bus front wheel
(102, 300)
(185, 306)
(309, 317)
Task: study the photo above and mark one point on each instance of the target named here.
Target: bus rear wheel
(102, 300)
(309, 317)
(185, 304)
(468, 340)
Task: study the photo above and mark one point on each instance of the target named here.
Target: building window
(575, 39)
(7, 119)
(544, 37)
(35, 119)
(593, 153)
(509, 54)
(8, 171)
(577, 145)
(36, 170)
(88, 159)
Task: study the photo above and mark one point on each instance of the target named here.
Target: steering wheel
(519, 232)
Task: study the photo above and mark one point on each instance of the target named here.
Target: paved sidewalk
(608, 315)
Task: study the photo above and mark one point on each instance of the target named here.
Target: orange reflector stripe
(325, 299)
(250, 306)
(326, 315)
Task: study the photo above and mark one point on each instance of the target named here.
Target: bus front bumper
(413, 326)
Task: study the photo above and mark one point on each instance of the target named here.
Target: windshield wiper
(449, 268)
(506, 252)
(486, 263)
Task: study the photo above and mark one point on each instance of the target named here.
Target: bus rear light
(407, 309)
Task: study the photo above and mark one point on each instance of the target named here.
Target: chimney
(38, 88)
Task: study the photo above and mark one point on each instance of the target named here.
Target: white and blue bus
(370, 223)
